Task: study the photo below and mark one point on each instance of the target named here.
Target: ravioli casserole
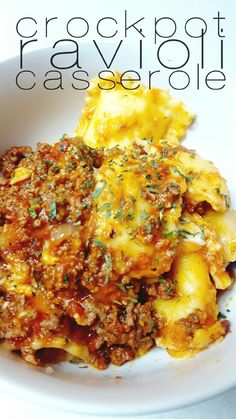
(116, 240)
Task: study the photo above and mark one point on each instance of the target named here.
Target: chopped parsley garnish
(66, 278)
(100, 244)
(158, 175)
(55, 169)
(143, 215)
(53, 210)
(99, 190)
(170, 290)
(164, 153)
(88, 183)
(122, 287)
(28, 155)
(119, 214)
(32, 212)
(148, 228)
(132, 300)
(37, 253)
(151, 189)
(227, 200)
(108, 260)
(105, 206)
(117, 302)
(184, 219)
(187, 178)
(71, 166)
(63, 147)
(106, 280)
(221, 316)
(49, 162)
(63, 137)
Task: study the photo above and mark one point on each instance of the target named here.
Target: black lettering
(47, 22)
(108, 65)
(75, 52)
(164, 36)
(87, 84)
(202, 31)
(151, 73)
(140, 31)
(22, 46)
(18, 80)
(83, 20)
(53, 79)
(179, 72)
(178, 42)
(126, 78)
(98, 27)
(210, 78)
(21, 20)
(100, 76)
(219, 29)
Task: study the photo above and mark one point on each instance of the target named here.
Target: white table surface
(220, 407)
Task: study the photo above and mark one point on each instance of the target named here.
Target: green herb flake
(32, 212)
(37, 253)
(227, 200)
(28, 155)
(151, 189)
(66, 278)
(164, 153)
(63, 147)
(108, 260)
(117, 302)
(53, 210)
(119, 214)
(158, 175)
(132, 300)
(184, 219)
(49, 162)
(105, 206)
(143, 215)
(100, 245)
(55, 169)
(221, 316)
(122, 287)
(63, 137)
(71, 166)
(88, 183)
(187, 178)
(170, 290)
(99, 190)
(106, 280)
(107, 214)
(148, 228)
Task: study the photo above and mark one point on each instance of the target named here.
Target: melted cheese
(129, 218)
(195, 293)
(117, 116)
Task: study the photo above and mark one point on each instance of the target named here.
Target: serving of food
(116, 240)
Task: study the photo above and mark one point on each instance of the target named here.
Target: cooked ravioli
(114, 117)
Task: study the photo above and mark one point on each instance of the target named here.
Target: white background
(221, 407)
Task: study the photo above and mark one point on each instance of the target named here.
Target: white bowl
(155, 382)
